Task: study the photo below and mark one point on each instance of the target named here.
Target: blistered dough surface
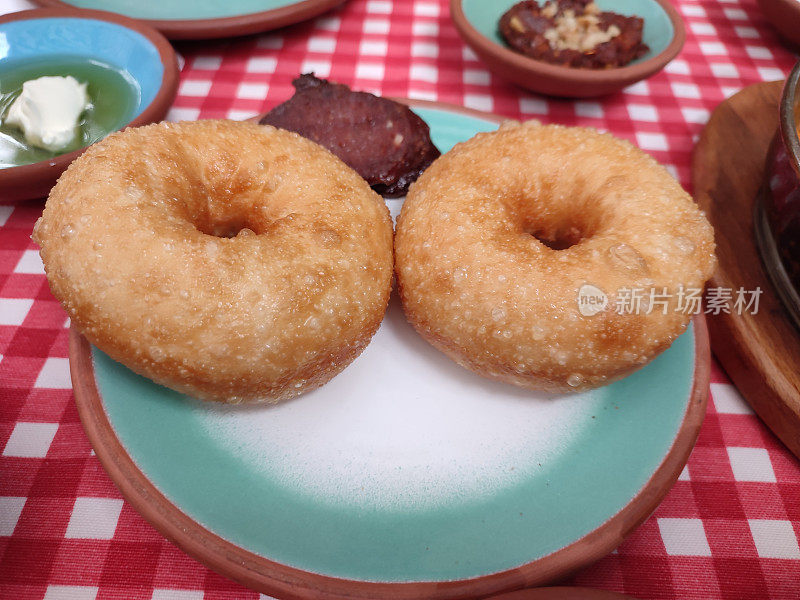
(227, 260)
(481, 279)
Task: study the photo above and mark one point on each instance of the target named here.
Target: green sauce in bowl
(114, 95)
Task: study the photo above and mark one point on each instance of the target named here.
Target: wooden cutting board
(760, 352)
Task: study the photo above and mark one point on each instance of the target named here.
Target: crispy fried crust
(386, 143)
(230, 261)
(482, 278)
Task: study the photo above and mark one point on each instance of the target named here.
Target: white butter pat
(47, 111)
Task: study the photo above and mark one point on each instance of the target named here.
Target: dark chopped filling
(573, 33)
(386, 143)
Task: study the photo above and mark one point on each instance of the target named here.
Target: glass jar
(777, 210)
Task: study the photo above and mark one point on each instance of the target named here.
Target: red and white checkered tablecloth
(728, 529)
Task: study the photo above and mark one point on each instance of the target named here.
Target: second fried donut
(499, 238)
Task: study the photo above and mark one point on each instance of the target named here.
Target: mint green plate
(200, 19)
(405, 476)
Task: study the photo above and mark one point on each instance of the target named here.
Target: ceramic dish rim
(218, 27)
(788, 116)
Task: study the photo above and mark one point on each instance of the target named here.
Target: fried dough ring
(482, 278)
(226, 260)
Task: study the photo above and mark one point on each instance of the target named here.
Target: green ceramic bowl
(139, 54)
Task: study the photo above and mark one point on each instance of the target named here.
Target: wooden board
(760, 352)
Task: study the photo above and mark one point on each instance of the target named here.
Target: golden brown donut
(498, 236)
(226, 260)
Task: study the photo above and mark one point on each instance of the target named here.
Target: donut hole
(227, 230)
(560, 238)
(226, 198)
(560, 233)
(227, 226)
(560, 226)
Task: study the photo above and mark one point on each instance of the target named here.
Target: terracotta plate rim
(199, 29)
(262, 574)
(562, 593)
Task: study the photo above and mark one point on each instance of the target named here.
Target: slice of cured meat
(384, 141)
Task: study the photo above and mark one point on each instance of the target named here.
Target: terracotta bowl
(664, 33)
(784, 15)
(138, 50)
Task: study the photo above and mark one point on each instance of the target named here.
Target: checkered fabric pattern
(728, 529)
